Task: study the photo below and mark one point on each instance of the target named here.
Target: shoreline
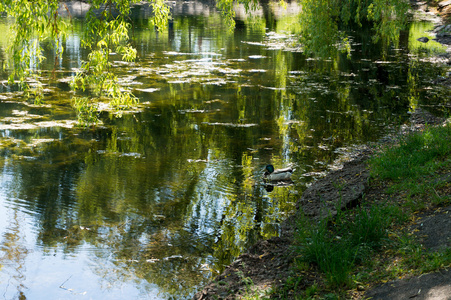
(253, 271)
(349, 184)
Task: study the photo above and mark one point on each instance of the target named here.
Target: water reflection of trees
(142, 189)
(174, 190)
(14, 254)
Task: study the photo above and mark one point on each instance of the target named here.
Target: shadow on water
(156, 202)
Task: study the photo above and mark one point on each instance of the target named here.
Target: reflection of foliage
(423, 29)
(412, 84)
(14, 254)
(322, 20)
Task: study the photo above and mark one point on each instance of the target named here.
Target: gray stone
(439, 28)
(339, 190)
(423, 39)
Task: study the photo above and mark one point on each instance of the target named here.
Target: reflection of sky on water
(74, 276)
(5, 179)
(43, 272)
(207, 206)
(73, 50)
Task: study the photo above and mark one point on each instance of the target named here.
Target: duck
(277, 175)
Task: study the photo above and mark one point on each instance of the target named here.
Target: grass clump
(336, 246)
(329, 253)
(251, 293)
(415, 164)
(417, 154)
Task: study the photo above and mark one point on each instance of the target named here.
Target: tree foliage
(107, 31)
(34, 22)
(227, 8)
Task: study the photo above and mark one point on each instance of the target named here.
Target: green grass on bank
(417, 155)
(369, 244)
(337, 246)
(416, 166)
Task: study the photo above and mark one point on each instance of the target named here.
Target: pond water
(155, 203)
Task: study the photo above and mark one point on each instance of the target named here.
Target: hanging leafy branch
(389, 18)
(106, 32)
(161, 14)
(322, 21)
(319, 26)
(35, 21)
(226, 7)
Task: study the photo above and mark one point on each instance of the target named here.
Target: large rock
(337, 191)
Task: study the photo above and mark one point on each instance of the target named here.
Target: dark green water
(153, 204)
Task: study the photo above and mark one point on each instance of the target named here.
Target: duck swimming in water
(277, 175)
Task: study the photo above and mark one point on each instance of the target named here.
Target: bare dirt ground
(269, 262)
(433, 230)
